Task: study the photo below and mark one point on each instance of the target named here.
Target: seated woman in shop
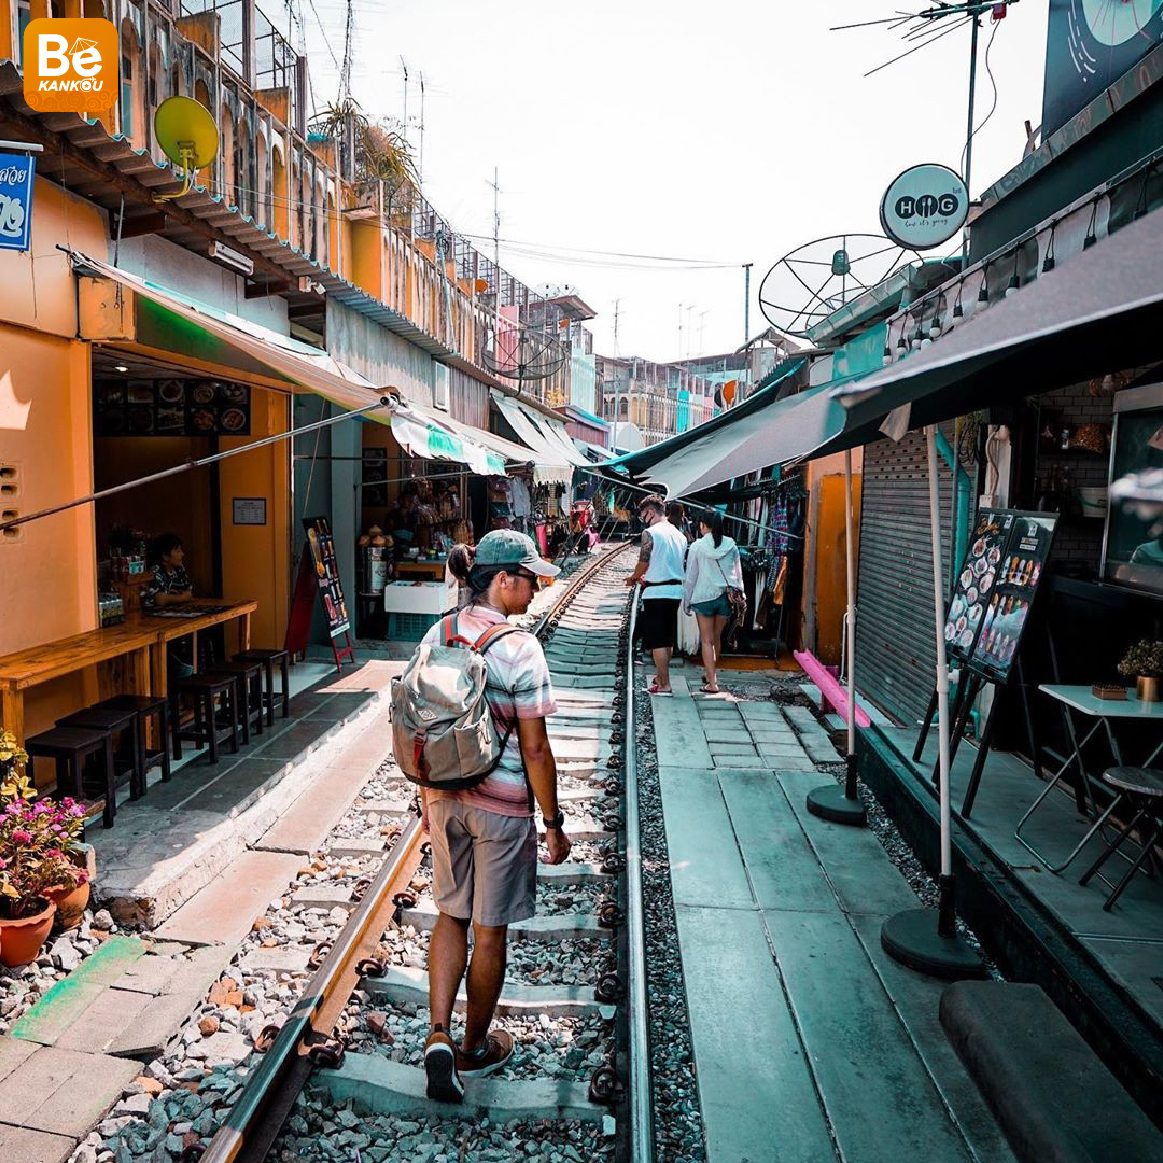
(171, 583)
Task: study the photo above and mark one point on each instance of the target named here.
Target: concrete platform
(283, 793)
(794, 1007)
(1101, 969)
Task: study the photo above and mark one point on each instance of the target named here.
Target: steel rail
(270, 1090)
(641, 1086)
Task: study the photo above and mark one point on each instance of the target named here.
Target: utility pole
(420, 169)
(680, 331)
(497, 261)
(404, 66)
(747, 302)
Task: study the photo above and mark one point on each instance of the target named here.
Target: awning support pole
(91, 498)
(915, 938)
(831, 802)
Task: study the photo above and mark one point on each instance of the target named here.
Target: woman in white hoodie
(712, 566)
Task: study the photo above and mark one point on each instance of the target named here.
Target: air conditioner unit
(440, 386)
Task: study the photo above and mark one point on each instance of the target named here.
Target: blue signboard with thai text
(17, 171)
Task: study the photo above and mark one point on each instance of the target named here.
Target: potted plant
(1144, 661)
(35, 865)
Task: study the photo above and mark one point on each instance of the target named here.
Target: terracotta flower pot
(71, 903)
(20, 941)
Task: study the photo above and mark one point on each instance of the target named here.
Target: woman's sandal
(707, 689)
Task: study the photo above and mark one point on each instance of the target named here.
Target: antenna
(345, 71)
(420, 171)
(188, 136)
(404, 67)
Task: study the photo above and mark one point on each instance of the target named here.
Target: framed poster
(171, 408)
(250, 510)
(321, 548)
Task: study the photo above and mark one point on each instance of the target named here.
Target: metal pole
(969, 126)
(90, 498)
(497, 264)
(945, 918)
(747, 302)
(850, 580)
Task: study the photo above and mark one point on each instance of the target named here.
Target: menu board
(996, 586)
(322, 554)
(171, 408)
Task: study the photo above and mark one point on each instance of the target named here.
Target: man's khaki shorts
(484, 865)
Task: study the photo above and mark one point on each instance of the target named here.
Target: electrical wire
(602, 253)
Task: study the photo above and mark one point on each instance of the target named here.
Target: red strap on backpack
(452, 635)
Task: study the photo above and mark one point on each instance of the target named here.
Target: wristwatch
(557, 822)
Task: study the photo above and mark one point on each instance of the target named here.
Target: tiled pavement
(810, 1044)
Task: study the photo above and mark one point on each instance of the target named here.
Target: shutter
(896, 656)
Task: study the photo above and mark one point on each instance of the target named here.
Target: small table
(184, 619)
(1104, 712)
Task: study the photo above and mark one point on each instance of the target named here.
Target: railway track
(575, 989)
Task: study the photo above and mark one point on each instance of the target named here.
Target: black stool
(203, 689)
(249, 677)
(1142, 788)
(69, 747)
(146, 707)
(268, 658)
(118, 723)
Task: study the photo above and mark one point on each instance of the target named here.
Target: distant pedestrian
(660, 570)
(713, 569)
(676, 515)
(484, 843)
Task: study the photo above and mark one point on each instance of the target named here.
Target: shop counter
(138, 645)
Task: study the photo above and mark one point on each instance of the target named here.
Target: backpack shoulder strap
(492, 634)
(449, 628)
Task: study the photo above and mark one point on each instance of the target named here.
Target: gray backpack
(443, 735)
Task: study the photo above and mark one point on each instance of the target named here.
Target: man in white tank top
(660, 570)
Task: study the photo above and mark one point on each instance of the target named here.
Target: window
(127, 97)
(23, 17)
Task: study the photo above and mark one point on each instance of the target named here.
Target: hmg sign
(17, 171)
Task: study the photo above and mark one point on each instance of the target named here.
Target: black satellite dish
(522, 354)
(811, 282)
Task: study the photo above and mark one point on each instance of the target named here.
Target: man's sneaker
(495, 1053)
(440, 1055)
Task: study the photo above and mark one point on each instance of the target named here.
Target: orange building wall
(48, 586)
(256, 559)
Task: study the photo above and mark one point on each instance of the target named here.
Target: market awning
(299, 363)
(497, 447)
(434, 439)
(553, 464)
(638, 463)
(1102, 308)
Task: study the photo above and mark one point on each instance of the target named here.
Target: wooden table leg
(243, 633)
(159, 679)
(12, 716)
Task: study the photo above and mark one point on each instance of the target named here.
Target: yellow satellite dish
(186, 132)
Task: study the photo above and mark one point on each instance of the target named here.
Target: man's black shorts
(659, 623)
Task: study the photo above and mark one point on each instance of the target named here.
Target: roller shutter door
(895, 651)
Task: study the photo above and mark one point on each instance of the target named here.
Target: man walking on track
(484, 843)
(660, 569)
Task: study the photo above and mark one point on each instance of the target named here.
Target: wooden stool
(1142, 788)
(203, 689)
(248, 674)
(68, 747)
(268, 658)
(146, 707)
(118, 723)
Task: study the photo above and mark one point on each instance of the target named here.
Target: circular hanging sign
(924, 207)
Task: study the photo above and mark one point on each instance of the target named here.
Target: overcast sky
(725, 132)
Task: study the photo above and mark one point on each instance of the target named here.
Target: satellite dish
(522, 354)
(187, 134)
(816, 279)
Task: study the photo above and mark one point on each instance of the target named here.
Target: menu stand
(1006, 560)
(319, 575)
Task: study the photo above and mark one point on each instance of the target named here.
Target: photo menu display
(996, 587)
(322, 553)
(171, 408)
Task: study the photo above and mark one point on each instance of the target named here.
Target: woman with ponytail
(713, 569)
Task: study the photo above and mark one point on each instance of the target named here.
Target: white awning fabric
(422, 431)
(304, 366)
(553, 465)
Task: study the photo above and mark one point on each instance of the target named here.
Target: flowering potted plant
(35, 866)
(1144, 660)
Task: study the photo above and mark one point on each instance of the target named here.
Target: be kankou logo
(70, 64)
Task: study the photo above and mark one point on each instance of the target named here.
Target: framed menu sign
(996, 586)
(319, 573)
